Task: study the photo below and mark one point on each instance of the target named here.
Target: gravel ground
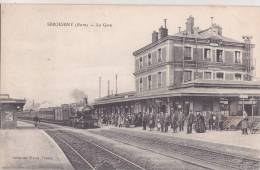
(97, 157)
(179, 147)
(140, 156)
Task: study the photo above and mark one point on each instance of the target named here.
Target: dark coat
(191, 118)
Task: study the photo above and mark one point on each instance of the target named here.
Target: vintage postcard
(129, 87)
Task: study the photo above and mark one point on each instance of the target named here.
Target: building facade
(192, 70)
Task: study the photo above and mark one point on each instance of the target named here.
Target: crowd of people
(198, 121)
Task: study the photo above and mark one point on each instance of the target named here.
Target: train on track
(78, 115)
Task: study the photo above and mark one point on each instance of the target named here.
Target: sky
(47, 63)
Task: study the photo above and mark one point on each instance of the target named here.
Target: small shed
(9, 107)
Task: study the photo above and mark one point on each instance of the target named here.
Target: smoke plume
(77, 95)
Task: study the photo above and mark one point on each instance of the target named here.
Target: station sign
(224, 102)
(214, 44)
(243, 96)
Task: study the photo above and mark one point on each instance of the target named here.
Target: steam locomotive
(78, 115)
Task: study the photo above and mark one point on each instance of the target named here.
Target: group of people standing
(176, 121)
(199, 121)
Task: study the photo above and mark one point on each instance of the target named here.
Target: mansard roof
(192, 34)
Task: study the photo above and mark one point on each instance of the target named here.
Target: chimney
(216, 29)
(163, 31)
(190, 25)
(154, 36)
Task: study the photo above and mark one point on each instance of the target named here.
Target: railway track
(197, 156)
(177, 150)
(85, 154)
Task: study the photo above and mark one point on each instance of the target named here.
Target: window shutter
(154, 57)
(136, 65)
(154, 81)
(137, 85)
(214, 55)
(145, 61)
(145, 83)
(163, 79)
(164, 53)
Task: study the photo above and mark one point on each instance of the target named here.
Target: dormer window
(187, 53)
(159, 55)
(237, 57)
(207, 55)
(149, 59)
(219, 56)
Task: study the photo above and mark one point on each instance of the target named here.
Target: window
(238, 76)
(207, 54)
(187, 53)
(159, 55)
(187, 76)
(149, 59)
(149, 82)
(220, 76)
(141, 84)
(141, 62)
(237, 56)
(219, 55)
(207, 75)
(159, 79)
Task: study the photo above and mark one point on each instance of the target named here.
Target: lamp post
(252, 110)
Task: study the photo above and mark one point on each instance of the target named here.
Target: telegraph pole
(116, 84)
(108, 88)
(0, 67)
(247, 40)
(99, 92)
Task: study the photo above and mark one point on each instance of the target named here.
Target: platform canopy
(193, 89)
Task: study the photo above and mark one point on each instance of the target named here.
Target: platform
(30, 148)
(234, 138)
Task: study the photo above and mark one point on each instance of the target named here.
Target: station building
(9, 108)
(192, 70)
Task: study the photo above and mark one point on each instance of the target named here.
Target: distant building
(192, 70)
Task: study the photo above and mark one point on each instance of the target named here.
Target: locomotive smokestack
(85, 100)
